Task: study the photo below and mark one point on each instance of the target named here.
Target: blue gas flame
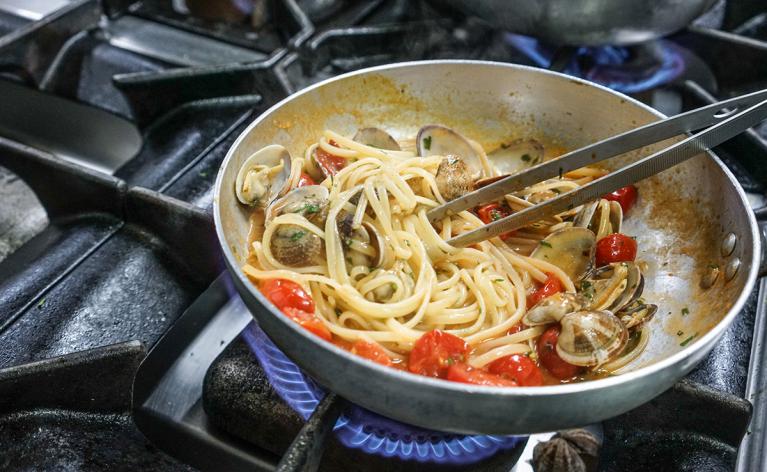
(362, 429)
(611, 65)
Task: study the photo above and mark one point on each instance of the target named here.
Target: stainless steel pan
(587, 22)
(680, 221)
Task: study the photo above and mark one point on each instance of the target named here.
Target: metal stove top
(116, 117)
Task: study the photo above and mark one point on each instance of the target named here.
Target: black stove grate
(116, 260)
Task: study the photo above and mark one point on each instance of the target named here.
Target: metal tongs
(722, 120)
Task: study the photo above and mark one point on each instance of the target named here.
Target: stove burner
(625, 69)
(362, 429)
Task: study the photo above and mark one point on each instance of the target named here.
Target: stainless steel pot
(587, 22)
(682, 217)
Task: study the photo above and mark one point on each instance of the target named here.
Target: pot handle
(761, 219)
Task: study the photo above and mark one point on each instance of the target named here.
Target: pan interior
(679, 220)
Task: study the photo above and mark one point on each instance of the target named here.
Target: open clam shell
(294, 246)
(637, 314)
(310, 201)
(517, 155)
(590, 338)
(264, 176)
(377, 138)
(364, 245)
(553, 308)
(571, 249)
(603, 217)
(614, 286)
(438, 140)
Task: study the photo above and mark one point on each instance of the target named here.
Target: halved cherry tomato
(494, 212)
(309, 322)
(520, 369)
(547, 353)
(615, 247)
(626, 196)
(330, 163)
(371, 351)
(435, 351)
(551, 286)
(285, 294)
(463, 373)
(304, 180)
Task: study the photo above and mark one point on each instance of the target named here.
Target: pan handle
(761, 219)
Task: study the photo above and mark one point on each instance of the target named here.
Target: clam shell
(311, 201)
(590, 338)
(438, 140)
(264, 176)
(516, 155)
(294, 246)
(571, 249)
(377, 138)
(614, 286)
(551, 309)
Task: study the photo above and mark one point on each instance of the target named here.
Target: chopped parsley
(427, 143)
(297, 235)
(41, 304)
(393, 287)
(687, 341)
(203, 174)
(450, 361)
(338, 312)
(545, 243)
(498, 280)
(679, 333)
(495, 215)
(685, 311)
(526, 157)
(311, 208)
(587, 289)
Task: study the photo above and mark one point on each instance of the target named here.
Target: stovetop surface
(103, 248)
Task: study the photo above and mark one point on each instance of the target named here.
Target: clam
(264, 176)
(637, 314)
(453, 178)
(603, 217)
(377, 138)
(516, 155)
(553, 308)
(571, 249)
(363, 246)
(294, 246)
(590, 338)
(310, 201)
(438, 140)
(614, 286)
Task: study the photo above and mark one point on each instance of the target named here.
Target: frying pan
(587, 22)
(682, 217)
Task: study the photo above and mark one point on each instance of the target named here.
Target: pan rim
(417, 381)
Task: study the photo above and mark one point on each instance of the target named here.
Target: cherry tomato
(330, 163)
(615, 247)
(516, 328)
(494, 212)
(371, 351)
(551, 286)
(305, 179)
(547, 353)
(463, 373)
(520, 369)
(285, 294)
(309, 322)
(435, 351)
(626, 196)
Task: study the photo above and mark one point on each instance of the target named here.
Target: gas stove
(123, 343)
